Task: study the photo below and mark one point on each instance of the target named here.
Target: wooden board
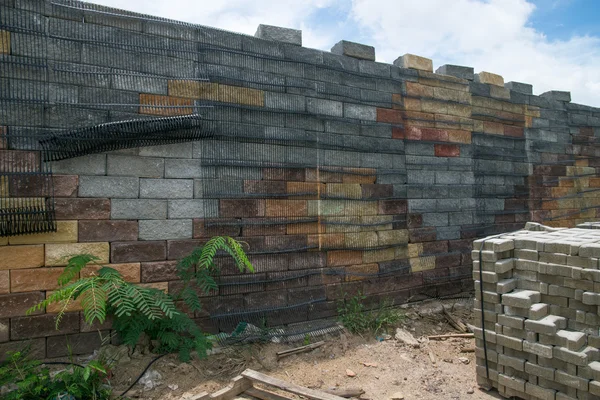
(265, 394)
(238, 385)
(288, 387)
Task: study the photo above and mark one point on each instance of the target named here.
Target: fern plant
(137, 310)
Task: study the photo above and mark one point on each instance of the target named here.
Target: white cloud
(489, 35)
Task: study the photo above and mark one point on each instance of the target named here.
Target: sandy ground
(382, 368)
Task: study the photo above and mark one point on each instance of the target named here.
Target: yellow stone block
(59, 254)
(130, 272)
(436, 107)
(241, 95)
(418, 90)
(412, 104)
(514, 108)
(499, 92)
(394, 237)
(422, 263)
(194, 89)
(532, 111)
(343, 190)
(361, 208)
(384, 223)
(4, 42)
(342, 224)
(489, 78)
(486, 102)
(459, 110)
(414, 62)
(66, 233)
(3, 185)
(360, 240)
(372, 256)
(19, 257)
(401, 252)
(415, 250)
(4, 282)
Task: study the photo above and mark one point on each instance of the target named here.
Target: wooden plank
(300, 349)
(265, 394)
(238, 385)
(457, 324)
(290, 387)
(347, 393)
(453, 335)
(201, 396)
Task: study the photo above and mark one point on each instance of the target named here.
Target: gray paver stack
(540, 301)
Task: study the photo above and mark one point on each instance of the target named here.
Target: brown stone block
(29, 280)
(107, 231)
(66, 232)
(16, 304)
(206, 228)
(283, 174)
(493, 128)
(447, 150)
(343, 191)
(160, 271)
(262, 227)
(431, 81)
(126, 252)
(377, 191)
(392, 207)
(285, 242)
(70, 306)
(422, 235)
(71, 209)
(359, 175)
(286, 208)
(421, 119)
(178, 249)
(39, 185)
(338, 258)
(155, 104)
(274, 298)
(412, 104)
(43, 325)
(308, 260)
(229, 208)
(305, 190)
(514, 131)
(193, 89)
(303, 228)
(317, 175)
(415, 221)
(79, 343)
(327, 241)
(346, 290)
(16, 257)
(241, 95)
(447, 260)
(264, 187)
(381, 255)
(418, 90)
(389, 116)
(130, 271)
(19, 160)
(459, 136)
(434, 135)
(37, 348)
(4, 282)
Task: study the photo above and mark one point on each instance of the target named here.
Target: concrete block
(557, 95)
(279, 34)
(355, 50)
(165, 229)
(456, 70)
(138, 209)
(521, 298)
(92, 164)
(166, 188)
(182, 209)
(108, 186)
(519, 87)
(147, 167)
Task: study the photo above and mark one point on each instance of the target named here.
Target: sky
(551, 44)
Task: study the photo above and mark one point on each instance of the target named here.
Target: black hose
(142, 374)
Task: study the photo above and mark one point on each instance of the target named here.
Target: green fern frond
(93, 301)
(209, 251)
(191, 299)
(239, 255)
(74, 266)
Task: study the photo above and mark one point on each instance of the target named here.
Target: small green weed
(354, 316)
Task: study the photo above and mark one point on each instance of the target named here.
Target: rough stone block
(66, 232)
(72, 209)
(92, 164)
(43, 325)
(165, 229)
(16, 304)
(489, 78)
(355, 50)
(457, 71)
(17, 257)
(109, 186)
(79, 343)
(557, 95)
(166, 188)
(279, 34)
(107, 231)
(414, 62)
(59, 254)
(160, 271)
(519, 87)
(138, 209)
(127, 252)
(146, 167)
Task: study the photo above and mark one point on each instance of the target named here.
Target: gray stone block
(355, 50)
(557, 95)
(416, 205)
(166, 188)
(165, 229)
(458, 71)
(358, 111)
(146, 167)
(435, 219)
(138, 209)
(374, 68)
(421, 176)
(519, 87)
(284, 101)
(175, 150)
(279, 34)
(181, 209)
(447, 178)
(479, 89)
(109, 186)
(448, 232)
(92, 164)
(324, 107)
(187, 168)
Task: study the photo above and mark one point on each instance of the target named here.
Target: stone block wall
(342, 174)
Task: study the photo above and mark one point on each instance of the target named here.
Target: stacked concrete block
(537, 312)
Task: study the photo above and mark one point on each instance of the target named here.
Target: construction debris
(301, 349)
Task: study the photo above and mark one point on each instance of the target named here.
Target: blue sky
(552, 44)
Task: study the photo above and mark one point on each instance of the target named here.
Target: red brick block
(434, 135)
(207, 228)
(447, 150)
(15, 304)
(43, 325)
(79, 343)
(398, 133)
(160, 271)
(392, 207)
(126, 252)
(107, 231)
(69, 209)
(178, 249)
(514, 131)
(229, 208)
(389, 116)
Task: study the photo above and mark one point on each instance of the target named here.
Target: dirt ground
(435, 370)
